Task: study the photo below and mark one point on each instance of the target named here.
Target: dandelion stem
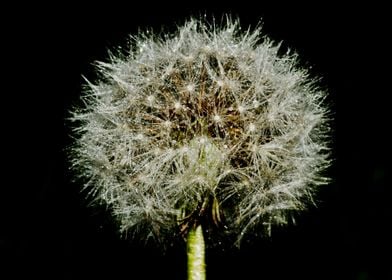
(196, 247)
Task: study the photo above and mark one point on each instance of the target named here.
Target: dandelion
(209, 127)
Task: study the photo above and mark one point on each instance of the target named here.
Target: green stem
(196, 247)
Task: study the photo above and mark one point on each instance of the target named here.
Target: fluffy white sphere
(207, 126)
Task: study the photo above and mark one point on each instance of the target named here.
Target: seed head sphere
(210, 125)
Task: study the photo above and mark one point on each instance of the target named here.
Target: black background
(48, 231)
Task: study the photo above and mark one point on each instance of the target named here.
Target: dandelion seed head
(220, 83)
(217, 118)
(177, 105)
(150, 98)
(210, 126)
(251, 127)
(190, 87)
(139, 136)
(167, 124)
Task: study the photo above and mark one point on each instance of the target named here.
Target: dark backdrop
(46, 228)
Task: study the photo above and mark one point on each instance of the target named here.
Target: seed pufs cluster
(209, 125)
